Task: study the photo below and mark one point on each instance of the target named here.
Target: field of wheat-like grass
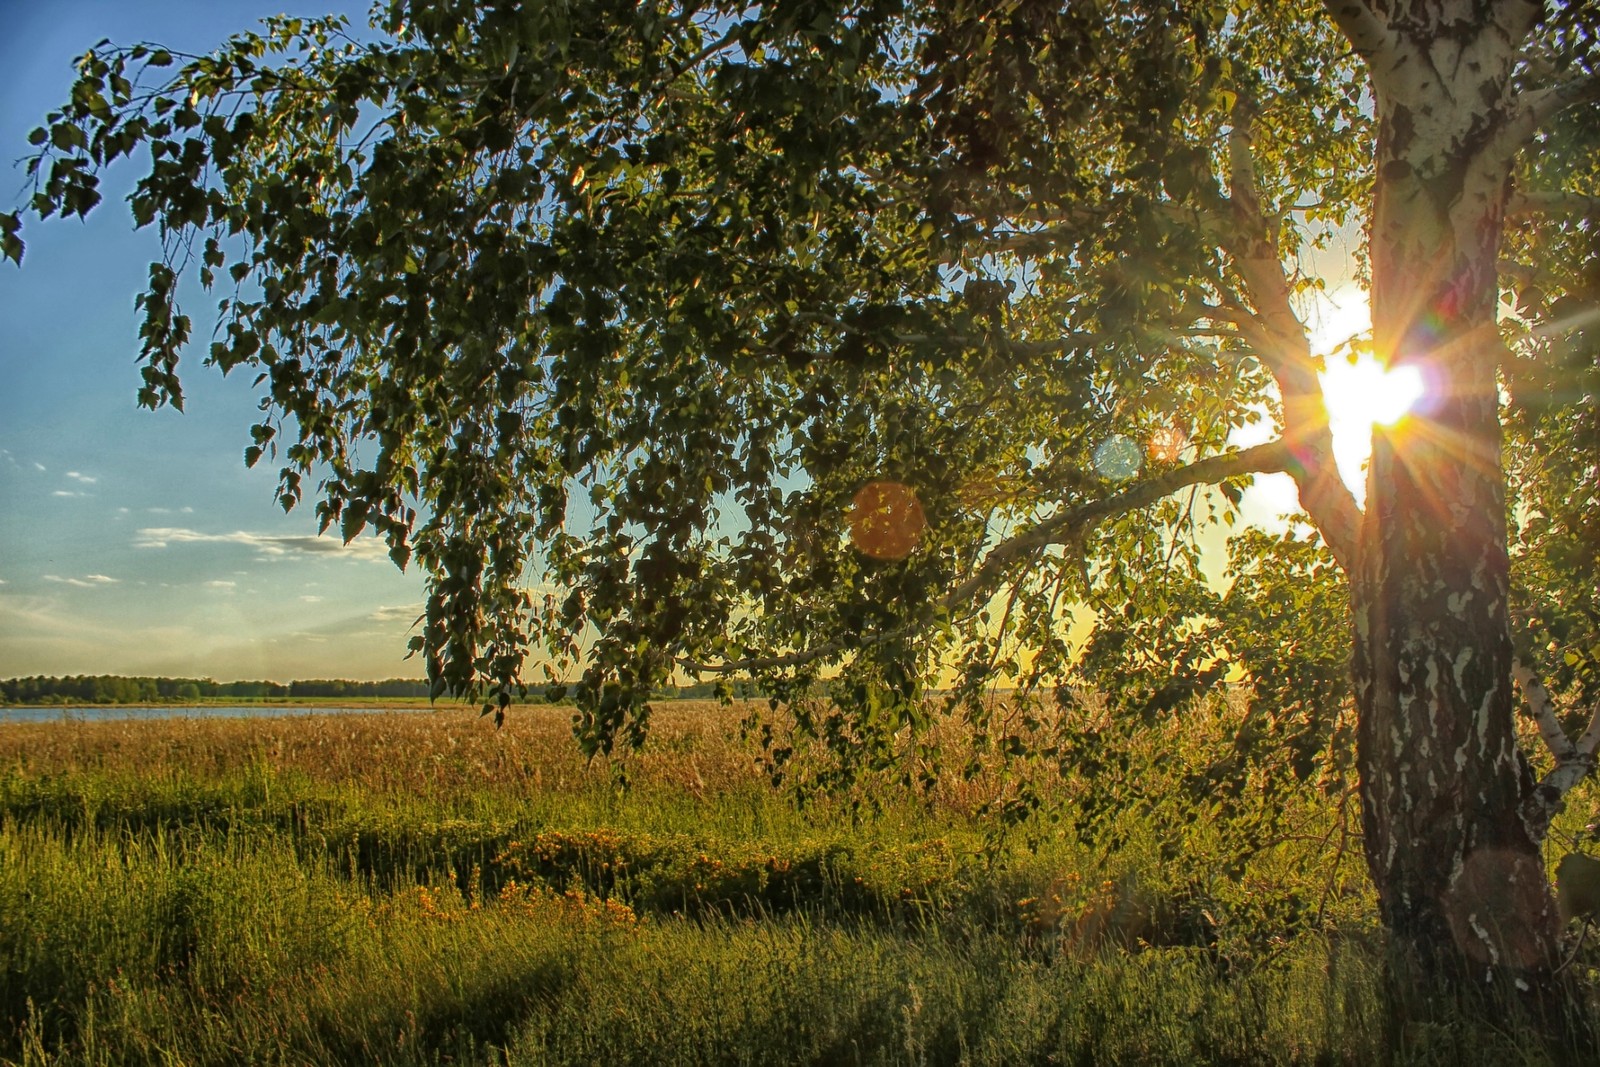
(418, 887)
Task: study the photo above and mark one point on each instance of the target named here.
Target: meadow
(420, 888)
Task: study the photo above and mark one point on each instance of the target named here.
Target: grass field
(420, 888)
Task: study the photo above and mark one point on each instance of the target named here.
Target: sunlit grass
(421, 889)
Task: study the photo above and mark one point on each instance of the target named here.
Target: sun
(1365, 393)
(1359, 393)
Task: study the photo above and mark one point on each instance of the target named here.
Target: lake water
(92, 713)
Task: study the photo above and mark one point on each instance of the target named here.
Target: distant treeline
(120, 689)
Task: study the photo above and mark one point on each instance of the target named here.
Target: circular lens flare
(886, 520)
(1118, 458)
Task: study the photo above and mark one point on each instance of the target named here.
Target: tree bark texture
(1460, 878)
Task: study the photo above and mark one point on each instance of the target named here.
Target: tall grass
(415, 889)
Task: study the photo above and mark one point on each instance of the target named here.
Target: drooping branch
(1062, 343)
(1063, 528)
(1574, 760)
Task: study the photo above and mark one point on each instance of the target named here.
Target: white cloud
(88, 581)
(67, 492)
(364, 548)
(84, 478)
(406, 613)
(39, 466)
(312, 599)
(220, 583)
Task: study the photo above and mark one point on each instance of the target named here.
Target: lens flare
(886, 520)
(1118, 458)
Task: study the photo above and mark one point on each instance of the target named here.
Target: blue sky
(134, 542)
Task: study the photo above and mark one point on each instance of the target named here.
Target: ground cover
(421, 888)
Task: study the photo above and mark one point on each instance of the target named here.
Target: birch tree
(864, 341)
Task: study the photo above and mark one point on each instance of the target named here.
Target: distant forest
(119, 689)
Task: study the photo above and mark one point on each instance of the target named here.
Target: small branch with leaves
(1066, 527)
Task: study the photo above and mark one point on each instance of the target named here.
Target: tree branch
(1070, 524)
(1543, 712)
(1532, 108)
(1062, 528)
(1283, 345)
(1574, 761)
(1573, 205)
(1361, 27)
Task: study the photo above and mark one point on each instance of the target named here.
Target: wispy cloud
(311, 599)
(84, 478)
(364, 548)
(221, 583)
(39, 466)
(88, 581)
(397, 613)
(67, 492)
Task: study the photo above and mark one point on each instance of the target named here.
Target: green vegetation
(421, 889)
(876, 341)
(121, 689)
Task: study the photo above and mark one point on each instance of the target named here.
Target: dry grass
(694, 747)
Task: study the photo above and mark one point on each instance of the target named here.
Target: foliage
(1554, 425)
(605, 314)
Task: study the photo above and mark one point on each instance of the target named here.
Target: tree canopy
(865, 342)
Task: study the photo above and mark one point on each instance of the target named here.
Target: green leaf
(353, 520)
(65, 135)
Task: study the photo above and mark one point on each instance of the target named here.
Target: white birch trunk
(1458, 868)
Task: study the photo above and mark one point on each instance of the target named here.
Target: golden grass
(694, 746)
